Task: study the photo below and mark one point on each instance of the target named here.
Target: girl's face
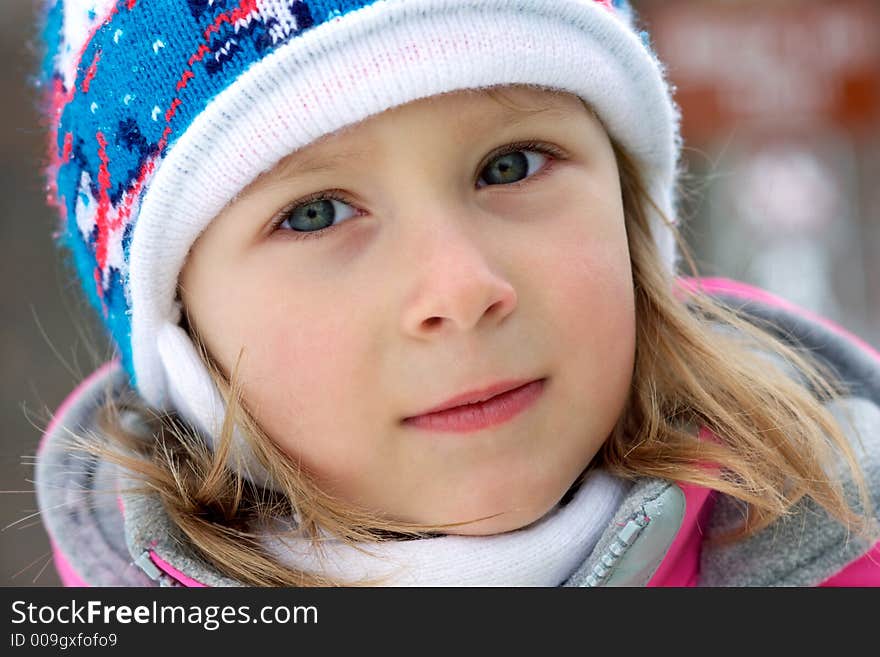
(448, 246)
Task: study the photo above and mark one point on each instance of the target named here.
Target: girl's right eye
(314, 216)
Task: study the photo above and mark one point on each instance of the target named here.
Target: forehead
(473, 110)
(470, 112)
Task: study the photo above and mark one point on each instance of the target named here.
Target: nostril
(431, 322)
(495, 308)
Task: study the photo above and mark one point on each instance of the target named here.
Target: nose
(455, 287)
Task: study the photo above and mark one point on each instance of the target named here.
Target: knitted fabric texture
(161, 111)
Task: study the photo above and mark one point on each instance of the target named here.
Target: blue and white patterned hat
(162, 110)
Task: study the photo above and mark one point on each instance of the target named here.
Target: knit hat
(161, 111)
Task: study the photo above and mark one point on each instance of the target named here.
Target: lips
(478, 409)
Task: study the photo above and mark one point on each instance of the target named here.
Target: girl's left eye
(514, 164)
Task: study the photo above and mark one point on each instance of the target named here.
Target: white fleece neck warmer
(544, 553)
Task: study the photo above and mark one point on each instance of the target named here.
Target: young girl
(396, 296)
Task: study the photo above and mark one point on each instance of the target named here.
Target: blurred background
(781, 101)
(781, 106)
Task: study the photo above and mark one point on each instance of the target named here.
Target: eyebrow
(299, 164)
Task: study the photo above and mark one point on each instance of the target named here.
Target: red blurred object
(778, 63)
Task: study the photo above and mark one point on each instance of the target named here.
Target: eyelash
(552, 152)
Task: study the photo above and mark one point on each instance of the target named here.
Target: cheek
(585, 269)
(589, 298)
(596, 317)
(300, 349)
(599, 282)
(304, 376)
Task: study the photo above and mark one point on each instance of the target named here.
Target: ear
(194, 396)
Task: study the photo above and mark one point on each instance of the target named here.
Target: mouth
(480, 409)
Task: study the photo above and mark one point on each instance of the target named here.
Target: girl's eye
(315, 215)
(513, 166)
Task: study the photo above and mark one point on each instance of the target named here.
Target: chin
(506, 521)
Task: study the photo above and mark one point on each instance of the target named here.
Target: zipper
(146, 564)
(622, 542)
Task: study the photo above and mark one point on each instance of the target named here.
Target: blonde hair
(772, 440)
